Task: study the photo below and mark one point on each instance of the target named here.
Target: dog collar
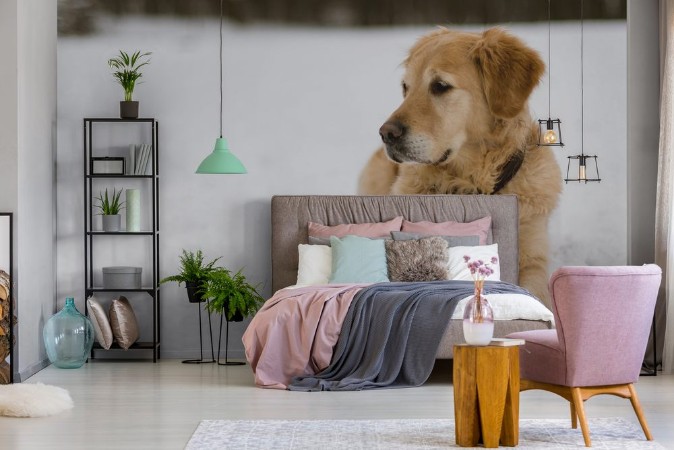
(508, 171)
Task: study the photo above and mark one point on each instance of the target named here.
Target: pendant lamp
(221, 160)
(583, 175)
(549, 130)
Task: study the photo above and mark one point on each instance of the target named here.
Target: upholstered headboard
(290, 215)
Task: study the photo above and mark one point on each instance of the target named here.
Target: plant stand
(201, 359)
(227, 362)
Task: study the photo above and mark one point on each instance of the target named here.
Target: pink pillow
(370, 230)
(479, 227)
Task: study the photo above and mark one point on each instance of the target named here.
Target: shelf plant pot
(112, 222)
(128, 110)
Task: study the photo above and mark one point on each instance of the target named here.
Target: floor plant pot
(193, 295)
(237, 317)
(128, 110)
(112, 222)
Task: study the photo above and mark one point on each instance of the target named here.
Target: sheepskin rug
(33, 400)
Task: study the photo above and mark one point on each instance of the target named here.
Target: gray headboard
(290, 215)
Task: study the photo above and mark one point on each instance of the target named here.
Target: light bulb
(581, 172)
(550, 137)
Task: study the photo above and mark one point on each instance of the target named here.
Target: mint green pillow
(358, 259)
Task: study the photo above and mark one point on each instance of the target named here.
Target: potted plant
(194, 273)
(110, 207)
(231, 295)
(126, 72)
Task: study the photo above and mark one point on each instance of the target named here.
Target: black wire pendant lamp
(583, 175)
(221, 160)
(549, 130)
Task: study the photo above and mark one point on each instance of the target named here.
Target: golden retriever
(464, 128)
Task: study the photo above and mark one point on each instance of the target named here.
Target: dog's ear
(510, 70)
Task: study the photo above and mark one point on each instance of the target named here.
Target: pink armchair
(602, 318)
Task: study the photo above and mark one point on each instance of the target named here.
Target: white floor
(139, 405)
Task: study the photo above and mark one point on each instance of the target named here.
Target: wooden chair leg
(580, 410)
(574, 417)
(640, 413)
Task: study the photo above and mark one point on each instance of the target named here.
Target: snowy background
(302, 109)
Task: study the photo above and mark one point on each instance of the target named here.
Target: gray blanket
(391, 334)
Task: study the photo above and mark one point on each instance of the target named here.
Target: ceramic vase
(478, 319)
(111, 222)
(132, 210)
(68, 337)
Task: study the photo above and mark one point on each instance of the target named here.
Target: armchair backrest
(603, 316)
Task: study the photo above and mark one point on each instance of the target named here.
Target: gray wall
(302, 107)
(27, 121)
(643, 127)
(229, 215)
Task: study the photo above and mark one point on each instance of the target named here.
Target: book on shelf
(139, 158)
(146, 160)
(131, 166)
(138, 152)
(506, 342)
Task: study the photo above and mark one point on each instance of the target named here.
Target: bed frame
(290, 215)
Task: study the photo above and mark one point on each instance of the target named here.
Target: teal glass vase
(68, 337)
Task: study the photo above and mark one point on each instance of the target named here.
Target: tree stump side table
(486, 395)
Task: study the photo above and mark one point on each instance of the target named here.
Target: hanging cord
(582, 92)
(220, 68)
(549, 60)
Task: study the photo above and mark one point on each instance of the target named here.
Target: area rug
(608, 433)
(33, 400)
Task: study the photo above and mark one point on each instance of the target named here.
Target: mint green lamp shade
(221, 160)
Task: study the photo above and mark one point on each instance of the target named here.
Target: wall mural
(465, 126)
(307, 86)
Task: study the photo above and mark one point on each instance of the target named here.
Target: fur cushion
(417, 260)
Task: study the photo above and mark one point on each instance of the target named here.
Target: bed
(291, 214)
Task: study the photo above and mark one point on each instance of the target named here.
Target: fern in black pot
(231, 295)
(194, 273)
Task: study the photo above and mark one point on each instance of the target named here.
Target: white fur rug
(33, 400)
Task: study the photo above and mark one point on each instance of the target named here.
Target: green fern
(231, 294)
(192, 268)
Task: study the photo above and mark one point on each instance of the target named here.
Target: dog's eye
(404, 89)
(439, 87)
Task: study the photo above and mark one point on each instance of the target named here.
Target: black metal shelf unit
(151, 182)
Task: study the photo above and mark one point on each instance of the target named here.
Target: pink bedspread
(295, 332)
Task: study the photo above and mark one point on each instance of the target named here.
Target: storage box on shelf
(140, 166)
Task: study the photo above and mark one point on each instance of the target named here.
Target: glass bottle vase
(478, 319)
(68, 337)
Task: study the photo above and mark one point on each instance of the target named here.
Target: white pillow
(458, 270)
(315, 265)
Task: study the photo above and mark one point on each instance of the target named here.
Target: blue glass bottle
(68, 337)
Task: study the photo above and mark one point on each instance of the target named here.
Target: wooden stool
(486, 395)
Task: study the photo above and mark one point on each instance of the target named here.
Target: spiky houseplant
(127, 70)
(194, 273)
(231, 295)
(110, 205)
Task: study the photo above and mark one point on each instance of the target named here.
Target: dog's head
(456, 86)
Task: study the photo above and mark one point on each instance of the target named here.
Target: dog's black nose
(391, 132)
